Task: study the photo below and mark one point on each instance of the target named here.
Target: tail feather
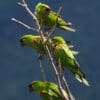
(75, 52)
(82, 80)
(79, 75)
(68, 23)
(68, 28)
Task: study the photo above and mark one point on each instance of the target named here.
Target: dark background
(19, 66)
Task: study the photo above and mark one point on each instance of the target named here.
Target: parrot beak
(21, 42)
(30, 87)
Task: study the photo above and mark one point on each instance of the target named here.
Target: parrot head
(42, 8)
(36, 86)
(58, 40)
(26, 40)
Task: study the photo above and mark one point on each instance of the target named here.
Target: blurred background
(19, 66)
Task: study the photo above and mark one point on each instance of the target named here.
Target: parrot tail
(82, 80)
(67, 28)
(79, 75)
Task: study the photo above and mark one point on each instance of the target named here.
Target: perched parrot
(33, 41)
(48, 18)
(61, 51)
(47, 90)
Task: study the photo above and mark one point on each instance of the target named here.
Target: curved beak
(30, 87)
(21, 42)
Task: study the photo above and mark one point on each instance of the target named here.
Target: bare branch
(42, 68)
(24, 4)
(70, 96)
(23, 24)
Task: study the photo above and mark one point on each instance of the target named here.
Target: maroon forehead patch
(41, 94)
(47, 9)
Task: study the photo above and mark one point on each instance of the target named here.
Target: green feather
(74, 52)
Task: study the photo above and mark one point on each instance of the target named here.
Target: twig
(53, 30)
(52, 65)
(23, 24)
(24, 4)
(70, 96)
(42, 68)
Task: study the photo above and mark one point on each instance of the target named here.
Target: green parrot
(33, 41)
(61, 51)
(47, 90)
(48, 18)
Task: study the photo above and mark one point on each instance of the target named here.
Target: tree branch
(24, 4)
(70, 96)
(23, 24)
(42, 68)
